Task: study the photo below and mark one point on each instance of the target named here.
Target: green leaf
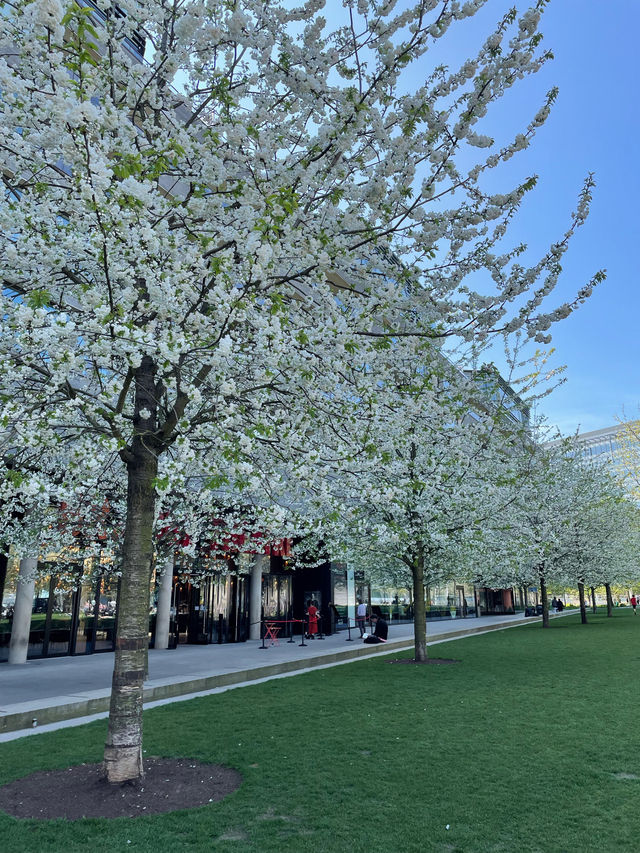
(38, 299)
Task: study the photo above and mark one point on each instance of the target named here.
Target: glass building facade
(66, 618)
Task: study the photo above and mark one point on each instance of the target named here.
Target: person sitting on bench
(380, 631)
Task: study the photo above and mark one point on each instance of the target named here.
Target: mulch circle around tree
(427, 662)
(169, 784)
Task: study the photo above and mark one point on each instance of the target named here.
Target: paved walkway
(41, 694)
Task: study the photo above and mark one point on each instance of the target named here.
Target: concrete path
(42, 694)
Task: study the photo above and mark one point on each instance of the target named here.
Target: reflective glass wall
(66, 618)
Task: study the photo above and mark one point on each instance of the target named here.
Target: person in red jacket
(312, 617)
(633, 601)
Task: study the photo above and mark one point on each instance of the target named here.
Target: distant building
(617, 448)
(496, 395)
(602, 444)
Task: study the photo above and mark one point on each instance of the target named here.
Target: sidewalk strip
(34, 717)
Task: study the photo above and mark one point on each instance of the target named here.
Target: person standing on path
(312, 620)
(633, 602)
(361, 616)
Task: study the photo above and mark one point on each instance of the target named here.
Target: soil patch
(169, 784)
(427, 662)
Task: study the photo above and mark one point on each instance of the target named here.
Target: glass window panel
(61, 618)
(39, 609)
(270, 596)
(284, 597)
(340, 598)
(84, 633)
(469, 597)
(106, 620)
(8, 602)
(351, 595)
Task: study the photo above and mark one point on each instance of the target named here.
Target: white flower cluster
(257, 265)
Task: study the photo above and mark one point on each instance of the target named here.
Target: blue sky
(594, 127)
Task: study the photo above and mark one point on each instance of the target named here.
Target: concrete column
(255, 596)
(163, 612)
(21, 624)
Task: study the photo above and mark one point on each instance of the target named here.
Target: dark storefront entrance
(214, 612)
(494, 602)
(276, 597)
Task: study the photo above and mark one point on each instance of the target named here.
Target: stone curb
(35, 716)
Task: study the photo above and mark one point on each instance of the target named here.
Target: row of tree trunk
(583, 603)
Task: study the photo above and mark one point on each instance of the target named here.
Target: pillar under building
(255, 596)
(21, 624)
(163, 610)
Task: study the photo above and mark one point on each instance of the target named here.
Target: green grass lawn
(527, 744)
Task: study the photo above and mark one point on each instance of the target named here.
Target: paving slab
(49, 691)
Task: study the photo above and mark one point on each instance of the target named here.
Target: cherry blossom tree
(627, 463)
(524, 538)
(616, 530)
(596, 542)
(571, 524)
(439, 468)
(213, 212)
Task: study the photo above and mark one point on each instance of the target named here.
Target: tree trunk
(419, 611)
(123, 749)
(583, 606)
(593, 599)
(545, 601)
(4, 562)
(607, 587)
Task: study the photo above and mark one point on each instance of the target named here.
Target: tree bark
(583, 606)
(607, 587)
(419, 611)
(545, 601)
(123, 748)
(593, 599)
